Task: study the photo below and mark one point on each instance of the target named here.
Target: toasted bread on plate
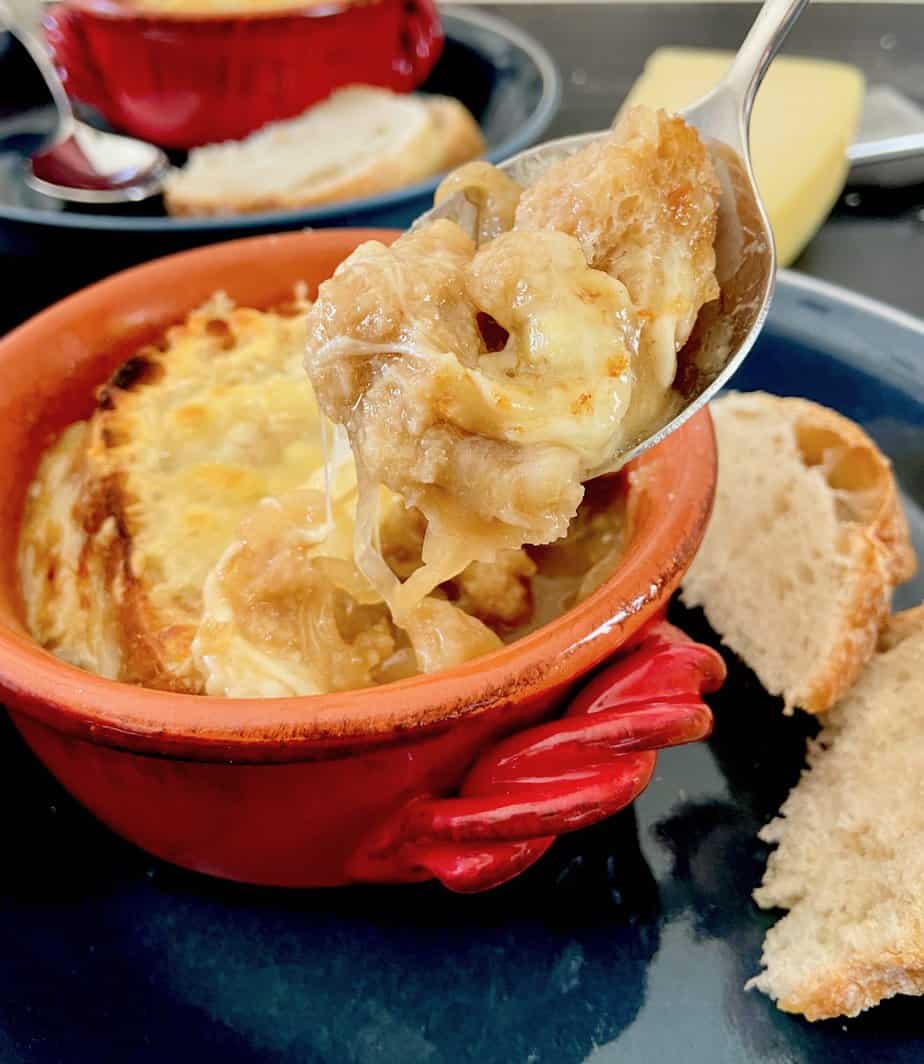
(849, 863)
(806, 543)
(358, 142)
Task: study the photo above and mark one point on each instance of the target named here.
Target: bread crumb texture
(807, 541)
(849, 862)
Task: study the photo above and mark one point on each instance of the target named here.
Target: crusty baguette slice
(849, 864)
(806, 542)
(358, 142)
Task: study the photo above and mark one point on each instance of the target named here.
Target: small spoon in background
(726, 329)
(67, 158)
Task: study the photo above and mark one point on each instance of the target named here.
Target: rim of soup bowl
(124, 12)
(675, 482)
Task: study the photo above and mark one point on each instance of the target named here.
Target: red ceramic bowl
(181, 81)
(466, 775)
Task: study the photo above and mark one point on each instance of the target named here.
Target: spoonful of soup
(572, 185)
(548, 320)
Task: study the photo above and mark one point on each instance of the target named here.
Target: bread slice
(849, 864)
(806, 542)
(358, 142)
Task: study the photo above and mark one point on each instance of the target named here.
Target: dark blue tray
(628, 943)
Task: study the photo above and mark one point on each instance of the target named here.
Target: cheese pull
(805, 118)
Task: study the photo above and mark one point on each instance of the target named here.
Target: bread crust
(888, 525)
(883, 557)
(865, 608)
(450, 136)
(860, 987)
(152, 655)
(900, 626)
(459, 134)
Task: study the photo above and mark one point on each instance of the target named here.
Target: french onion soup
(225, 524)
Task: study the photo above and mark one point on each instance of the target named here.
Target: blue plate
(628, 943)
(505, 77)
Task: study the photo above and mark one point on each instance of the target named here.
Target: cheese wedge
(805, 117)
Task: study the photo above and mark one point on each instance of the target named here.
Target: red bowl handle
(554, 777)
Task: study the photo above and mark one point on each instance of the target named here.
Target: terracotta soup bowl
(467, 775)
(182, 79)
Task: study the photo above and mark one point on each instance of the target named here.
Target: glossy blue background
(630, 942)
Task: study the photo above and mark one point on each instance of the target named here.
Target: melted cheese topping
(130, 510)
(643, 205)
(194, 516)
(287, 612)
(221, 431)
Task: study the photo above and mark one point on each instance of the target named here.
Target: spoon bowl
(92, 166)
(67, 159)
(726, 328)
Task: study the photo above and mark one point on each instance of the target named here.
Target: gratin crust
(130, 510)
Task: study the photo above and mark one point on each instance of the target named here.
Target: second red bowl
(186, 80)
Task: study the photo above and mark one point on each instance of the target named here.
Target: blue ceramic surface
(628, 943)
(504, 76)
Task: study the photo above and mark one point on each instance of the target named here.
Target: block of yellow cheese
(805, 117)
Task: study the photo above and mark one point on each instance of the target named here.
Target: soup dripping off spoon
(745, 270)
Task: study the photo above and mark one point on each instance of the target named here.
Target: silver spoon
(67, 158)
(745, 258)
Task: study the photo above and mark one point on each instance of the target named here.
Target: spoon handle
(724, 113)
(774, 21)
(35, 110)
